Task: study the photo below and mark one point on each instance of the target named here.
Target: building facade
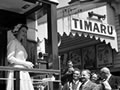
(89, 34)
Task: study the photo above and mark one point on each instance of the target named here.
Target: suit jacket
(89, 86)
(69, 85)
(114, 81)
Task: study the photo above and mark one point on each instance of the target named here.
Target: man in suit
(67, 74)
(74, 84)
(109, 81)
(87, 84)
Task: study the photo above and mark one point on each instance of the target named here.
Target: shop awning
(97, 30)
(79, 23)
(94, 30)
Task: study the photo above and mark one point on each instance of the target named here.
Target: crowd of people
(76, 79)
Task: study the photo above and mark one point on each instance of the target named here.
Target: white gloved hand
(29, 64)
(107, 85)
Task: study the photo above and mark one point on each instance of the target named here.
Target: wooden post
(52, 41)
(52, 35)
(17, 80)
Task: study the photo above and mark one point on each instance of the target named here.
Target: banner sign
(93, 27)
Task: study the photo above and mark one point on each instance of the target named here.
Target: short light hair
(105, 70)
(77, 69)
(88, 71)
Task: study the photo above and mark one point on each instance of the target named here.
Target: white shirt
(76, 82)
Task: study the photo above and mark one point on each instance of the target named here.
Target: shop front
(89, 37)
(90, 44)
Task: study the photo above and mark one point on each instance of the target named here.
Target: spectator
(74, 84)
(70, 68)
(94, 78)
(87, 84)
(110, 81)
(67, 75)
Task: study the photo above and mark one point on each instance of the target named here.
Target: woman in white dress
(16, 56)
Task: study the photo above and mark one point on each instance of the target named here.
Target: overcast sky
(63, 3)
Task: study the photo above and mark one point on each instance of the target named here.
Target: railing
(41, 78)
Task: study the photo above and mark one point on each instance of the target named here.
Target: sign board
(92, 27)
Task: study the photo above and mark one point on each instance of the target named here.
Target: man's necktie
(81, 86)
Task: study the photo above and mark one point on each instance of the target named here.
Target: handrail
(35, 70)
(36, 81)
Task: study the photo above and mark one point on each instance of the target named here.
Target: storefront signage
(93, 27)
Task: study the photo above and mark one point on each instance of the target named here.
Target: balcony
(42, 79)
